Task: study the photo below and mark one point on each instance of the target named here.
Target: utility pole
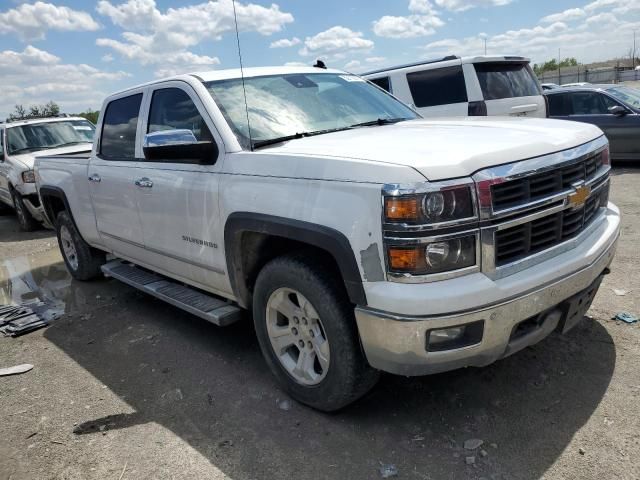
(633, 57)
(559, 76)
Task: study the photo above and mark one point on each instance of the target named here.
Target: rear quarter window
(382, 82)
(506, 80)
(118, 140)
(440, 86)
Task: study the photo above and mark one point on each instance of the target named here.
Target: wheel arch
(54, 201)
(249, 236)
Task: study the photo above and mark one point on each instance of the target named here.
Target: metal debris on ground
(20, 319)
(16, 369)
(388, 470)
(626, 317)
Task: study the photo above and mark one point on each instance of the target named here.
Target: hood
(447, 148)
(28, 159)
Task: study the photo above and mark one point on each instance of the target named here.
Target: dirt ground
(127, 387)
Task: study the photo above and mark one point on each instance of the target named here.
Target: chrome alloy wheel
(297, 336)
(68, 247)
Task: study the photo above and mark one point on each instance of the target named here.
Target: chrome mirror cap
(169, 137)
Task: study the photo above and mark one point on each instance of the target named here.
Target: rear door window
(118, 141)
(1, 145)
(382, 82)
(440, 86)
(506, 80)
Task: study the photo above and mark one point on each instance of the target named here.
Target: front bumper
(398, 343)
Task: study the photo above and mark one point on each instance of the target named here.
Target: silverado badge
(580, 196)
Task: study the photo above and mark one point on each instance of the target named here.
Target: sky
(76, 52)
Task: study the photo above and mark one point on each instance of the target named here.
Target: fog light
(451, 338)
(445, 335)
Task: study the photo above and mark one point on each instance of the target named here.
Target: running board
(213, 309)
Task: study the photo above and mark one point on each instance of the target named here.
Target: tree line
(50, 109)
(553, 65)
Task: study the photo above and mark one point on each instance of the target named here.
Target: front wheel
(307, 333)
(82, 261)
(25, 219)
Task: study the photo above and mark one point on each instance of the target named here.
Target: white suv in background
(467, 86)
(21, 141)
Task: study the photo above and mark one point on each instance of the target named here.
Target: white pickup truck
(362, 237)
(21, 141)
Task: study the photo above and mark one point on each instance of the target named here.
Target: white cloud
(589, 37)
(462, 5)
(160, 38)
(285, 43)
(31, 21)
(35, 76)
(335, 42)
(406, 27)
(422, 22)
(353, 64)
(296, 64)
(566, 16)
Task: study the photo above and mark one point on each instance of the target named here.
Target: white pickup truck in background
(362, 237)
(21, 141)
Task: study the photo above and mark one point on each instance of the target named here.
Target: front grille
(537, 235)
(525, 190)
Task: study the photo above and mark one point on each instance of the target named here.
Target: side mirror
(178, 145)
(618, 111)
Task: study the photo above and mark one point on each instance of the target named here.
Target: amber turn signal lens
(404, 259)
(398, 209)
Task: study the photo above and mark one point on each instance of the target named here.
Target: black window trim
(104, 115)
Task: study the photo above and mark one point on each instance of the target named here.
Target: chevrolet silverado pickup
(21, 141)
(362, 237)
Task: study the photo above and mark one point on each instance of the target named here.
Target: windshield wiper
(295, 136)
(70, 144)
(378, 121)
(27, 149)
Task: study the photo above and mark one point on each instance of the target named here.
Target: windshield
(42, 136)
(286, 105)
(630, 96)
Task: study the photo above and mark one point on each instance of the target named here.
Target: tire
(328, 376)
(26, 221)
(82, 261)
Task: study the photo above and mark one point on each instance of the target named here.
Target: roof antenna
(244, 90)
(320, 64)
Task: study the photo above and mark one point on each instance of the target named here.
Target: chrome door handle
(95, 178)
(144, 182)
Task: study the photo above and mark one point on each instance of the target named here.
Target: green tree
(91, 115)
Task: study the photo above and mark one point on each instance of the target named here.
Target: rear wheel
(26, 221)
(82, 261)
(307, 333)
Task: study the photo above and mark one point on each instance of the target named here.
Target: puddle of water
(40, 280)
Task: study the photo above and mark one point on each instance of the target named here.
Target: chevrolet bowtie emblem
(580, 196)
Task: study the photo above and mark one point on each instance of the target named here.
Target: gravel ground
(126, 387)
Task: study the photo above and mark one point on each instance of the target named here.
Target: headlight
(446, 203)
(441, 255)
(28, 177)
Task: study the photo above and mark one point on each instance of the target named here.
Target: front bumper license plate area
(575, 308)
